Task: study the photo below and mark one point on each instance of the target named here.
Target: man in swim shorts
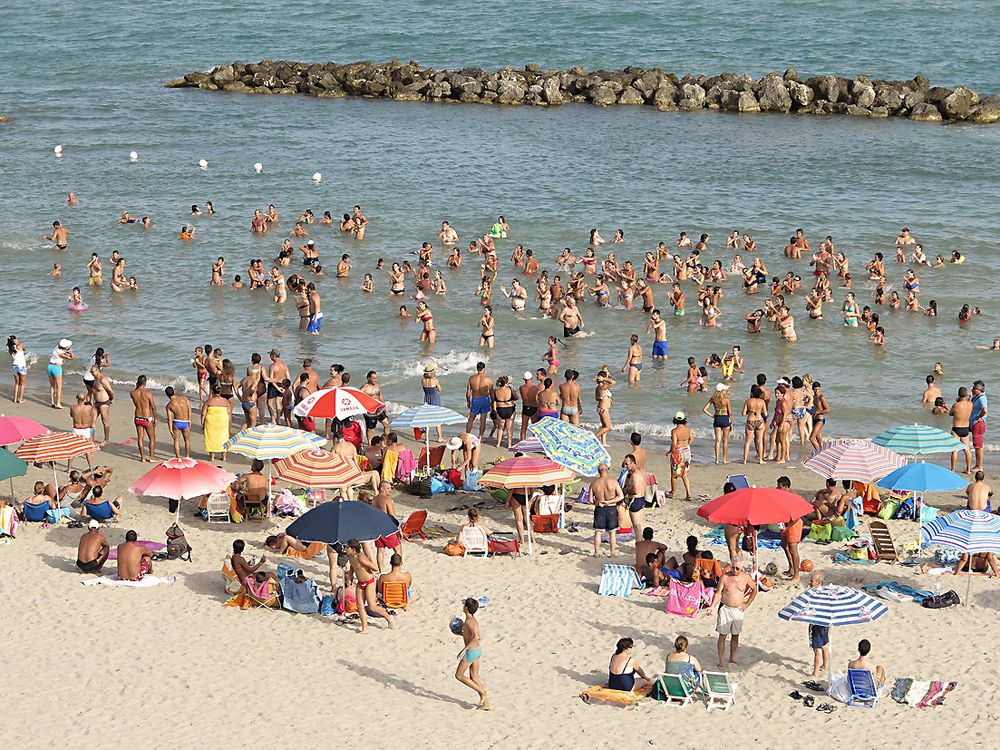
(93, 550)
(83, 416)
(374, 389)
(529, 402)
(59, 236)
(730, 597)
(469, 658)
(571, 319)
(569, 395)
(658, 327)
(178, 411)
(605, 493)
(145, 418)
(634, 490)
(477, 396)
(134, 560)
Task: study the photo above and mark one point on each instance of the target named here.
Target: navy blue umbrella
(341, 521)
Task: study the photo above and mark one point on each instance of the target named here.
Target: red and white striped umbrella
(526, 472)
(856, 460)
(54, 446)
(337, 403)
(319, 469)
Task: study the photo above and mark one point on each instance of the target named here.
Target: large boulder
(855, 111)
(510, 91)
(739, 101)
(603, 96)
(924, 112)
(958, 104)
(223, 74)
(197, 79)
(551, 91)
(630, 96)
(826, 87)
(888, 96)
(647, 83)
(772, 95)
(912, 98)
(864, 97)
(937, 94)
(666, 96)
(694, 93)
(801, 94)
(987, 111)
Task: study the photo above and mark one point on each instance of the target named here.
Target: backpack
(177, 544)
(947, 599)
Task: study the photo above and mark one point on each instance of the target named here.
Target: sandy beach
(134, 665)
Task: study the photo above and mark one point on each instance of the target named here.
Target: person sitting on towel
(863, 662)
(134, 560)
(982, 562)
(93, 550)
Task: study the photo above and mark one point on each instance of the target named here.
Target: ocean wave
(449, 364)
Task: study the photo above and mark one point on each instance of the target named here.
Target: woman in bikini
(754, 409)
(486, 337)
(551, 357)
(397, 284)
(722, 420)
(589, 261)
(428, 334)
(94, 268)
(603, 397)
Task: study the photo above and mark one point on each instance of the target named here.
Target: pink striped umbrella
(337, 403)
(856, 460)
(526, 472)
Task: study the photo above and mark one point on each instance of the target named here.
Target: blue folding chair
(36, 511)
(739, 481)
(864, 692)
(101, 511)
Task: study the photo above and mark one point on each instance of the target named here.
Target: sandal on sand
(809, 701)
(813, 685)
(827, 708)
(796, 695)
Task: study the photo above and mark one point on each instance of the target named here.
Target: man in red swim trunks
(364, 591)
(134, 560)
(791, 535)
(383, 501)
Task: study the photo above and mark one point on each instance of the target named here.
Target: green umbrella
(11, 466)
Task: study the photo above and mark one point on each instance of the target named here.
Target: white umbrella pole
(55, 484)
(427, 444)
(527, 520)
(968, 581)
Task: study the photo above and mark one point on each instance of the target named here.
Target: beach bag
(177, 544)
(928, 513)
(471, 483)
(820, 532)
(905, 511)
(504, 546)
(841, 534)
(584, 496)
(888, 510)
(439, 485)
(326, 606)
(454, 477)
(940, 601)
(454, 549)
(54, 515)
(545, 524)
(947, 556)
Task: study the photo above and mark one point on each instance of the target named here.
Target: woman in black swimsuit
(504, 398)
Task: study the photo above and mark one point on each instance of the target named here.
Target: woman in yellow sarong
(216, 414)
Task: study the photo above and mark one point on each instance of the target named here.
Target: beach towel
(624, 698)
(684, 599)
(618, 580)
(766, 539)
(148, 544)
(936, 693)
(437, 531)
(145, 583)
(896, 592)
(8, 521)
(657, 591)
(406, 467)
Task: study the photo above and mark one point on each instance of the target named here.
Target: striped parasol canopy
(923, 477)
(426, 415)
(54, 446)
(971, 531)
(337, 403)
(528, 445)
(570, 445)
(832, 606)
(856, 460)
(16, 429)
(269, 441)
(526, 472)
(318, 468)
(918, 439)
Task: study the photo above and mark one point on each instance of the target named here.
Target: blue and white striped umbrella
(268, 441)
(970, 531)
(426, 415)
(832, 606)
(918, 439)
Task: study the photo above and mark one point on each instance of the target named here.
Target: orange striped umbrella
(319, 469)
(54, 446)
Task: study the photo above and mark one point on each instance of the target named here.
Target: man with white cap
(93, 550)
(681, 438)
(469, 445)
(62, 352)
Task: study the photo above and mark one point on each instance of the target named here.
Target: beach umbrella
(318, 468)
(337, 403)
(572, 446)
(969, 531)
(11, 466)
(52, 447)
(833, 606)
(919, 478)
(341, 521)
(856, 460)
(528, 445)
(270, 441)
(526, 472)
(755, 506)
(182, 479)
(424, 416)
(918, 439)
(16, 429)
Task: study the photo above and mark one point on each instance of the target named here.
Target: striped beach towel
(618, 580)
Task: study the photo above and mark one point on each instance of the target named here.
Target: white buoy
(133, 156)
(203, 164)
(258, 167)
(317, 177)
(57, 150)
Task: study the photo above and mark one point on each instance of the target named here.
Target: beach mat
(115, 581)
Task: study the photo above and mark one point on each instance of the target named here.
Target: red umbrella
(182, 479)
(755, 506)
(16, 429)
(337, 403)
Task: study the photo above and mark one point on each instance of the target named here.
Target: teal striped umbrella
(424, 416)
(11, 466)
(917, 440)
(571, 446)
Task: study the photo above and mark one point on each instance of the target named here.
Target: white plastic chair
(217, 507)
(475, 542)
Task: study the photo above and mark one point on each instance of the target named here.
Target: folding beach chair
(739, 481)
(217, 507)
(475, 542)
(395, 595)
(253, 599)
(414, 525)
(719, 691)
(233, 585)
(618, 580)
(99, 512)
(35, 511)
(436, 456)
(885, 550)
(864, 693)
(675, 690)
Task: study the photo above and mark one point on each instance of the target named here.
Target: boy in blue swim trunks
(179, 415)
(658, 327)
(469, 658)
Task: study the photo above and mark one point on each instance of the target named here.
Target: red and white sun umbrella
(52, 447)
(318, 469)
(337, 403)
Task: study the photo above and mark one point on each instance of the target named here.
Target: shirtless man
(145, 418)
(730, 598)
(633, 361)
(103, 394)
(529, 402)
(134, 560)
(676, 299)
(646, 545)
(471, 653)
(277, 373)
(571, 319)
(360, 223)
(383, 501)
(862, 662)
(960, 412)
(931, 392)
(635, 440)
(447, 234)
(248, 392)
(605, 493)
(681, 438)
(396, 574)
(819, 416)
(978, 494)
(477, 396)
(93, 550)
(569, 394)
(59, 236)
(178, 412)
(634, 491)
(658, 327)
(364, 589)
(315, 310)
(254, 485)
(241, 567)
(83, 416)
(905, 238)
